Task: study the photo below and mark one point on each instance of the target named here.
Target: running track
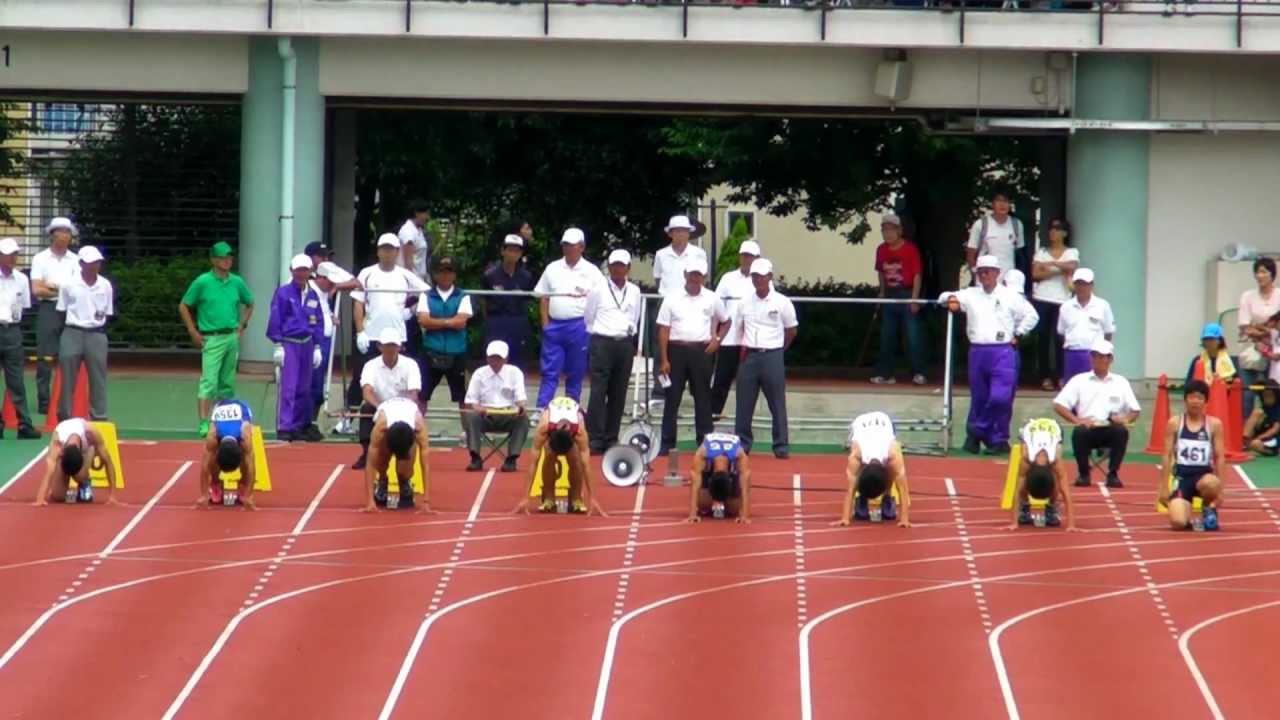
(310, 609)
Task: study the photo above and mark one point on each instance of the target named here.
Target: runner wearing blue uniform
(1193, 447)
(720, 479)
(228, 447)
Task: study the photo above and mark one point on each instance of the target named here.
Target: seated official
(495, 402)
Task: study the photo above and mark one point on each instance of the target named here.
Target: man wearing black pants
(613, 319)
(769, 326)
(1101, 405)
(691, 325)
(733, 287)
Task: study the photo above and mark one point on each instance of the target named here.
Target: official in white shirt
(1101, 405)
(691, 324)
(613, 321)
(564, 332)
(998, 318)
(386, 376)
(998, 234)
(328, 280)
(733, 287)
(495, 402)
(15, 297)
(374, 312)
(415, 246)
(767, 326)
(1082, 321)
(87, 300)
(51, 268)
(669, 262)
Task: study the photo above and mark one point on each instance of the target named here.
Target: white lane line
(18, 475)
(1248, 481)
(1259, 496)
(1184, 647)
(315, 503)
(629, 554)
(137, 518)
(951, 488)
(802, 590)
(1154, 591)
(970, 559)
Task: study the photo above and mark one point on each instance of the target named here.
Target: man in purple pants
(998, 317)
(296, 326)
(566, 282)
(1082, 321)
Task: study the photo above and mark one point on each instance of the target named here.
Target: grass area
(15, 454)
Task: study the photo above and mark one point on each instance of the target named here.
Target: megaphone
(641, 437)
(624, 466)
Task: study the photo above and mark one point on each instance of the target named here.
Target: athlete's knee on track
(1179, 513)
(1210, 488)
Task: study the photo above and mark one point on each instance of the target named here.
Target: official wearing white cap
(51, 268)
(691, 324)
(296, 324)
(613, 322)
(733, 287)
(507, 318)
(564, 332)
(668, 263)
(15, 297)
(768, 326)
(87, 300)
(998, 318)
(1101, 405)
(495, 402)
(388, 292)
(385, 376)
(1083, 319)
(328, 279)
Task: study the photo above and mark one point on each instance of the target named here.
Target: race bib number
(227, 413)
(1193, 452)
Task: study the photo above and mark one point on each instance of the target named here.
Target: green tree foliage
(12, 162)
(728, 260)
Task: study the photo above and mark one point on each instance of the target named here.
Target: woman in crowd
(1256, 308)
(1051, 270)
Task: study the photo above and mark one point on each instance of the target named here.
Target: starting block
(393, 482)
(97, 468)
(562, 478)
(262, 473)
(1197, 504)
(1011, 482)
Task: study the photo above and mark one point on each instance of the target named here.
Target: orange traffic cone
(10, 412)
(55, 394)
(79, 401)
(1159, 419)
(1234, 424)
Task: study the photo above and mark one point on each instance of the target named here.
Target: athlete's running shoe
(861, 509)
(1210, 516)
(888, 508)
(1051, 515)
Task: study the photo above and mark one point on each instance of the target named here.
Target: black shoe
(509, 465)
(286, 435)
(1024, 514)
(783, 454)
(1001, 448)
(1113, 481)
(1051, 515)
(26, 432)
(311, 434)
(359, 463)
(476, 464)
(1082, 481)
(971, 445)
(861, 509)
(664, 452)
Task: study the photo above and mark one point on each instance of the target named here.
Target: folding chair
(495, 442)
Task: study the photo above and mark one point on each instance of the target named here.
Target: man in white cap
(768, 326)
(507, 318)
(613, 321)
(690, 326)
(15, 297)
(87, 300)
(296, 326)
(1101, 405)
(327, 280)
(901, 276)
(997, 234)
(1082, 320)
(386, 376)
(396, 290)
(564, 332)
(495, 402)
(51, 268)
(733, 288)
(998, 318)
(669, 262)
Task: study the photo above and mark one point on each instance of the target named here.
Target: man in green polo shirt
(220, 303)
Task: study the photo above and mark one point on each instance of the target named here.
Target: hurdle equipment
(1197, 505)
(1159, 418)
(1011, 482)
(262, 472)
(562, 478)
(79, 402)
(98, 469)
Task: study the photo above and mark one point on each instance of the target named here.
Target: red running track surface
(310, 609)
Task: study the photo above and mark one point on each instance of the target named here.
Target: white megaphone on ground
(624, 466)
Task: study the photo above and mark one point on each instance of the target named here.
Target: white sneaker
(919, 380)
(880, 380)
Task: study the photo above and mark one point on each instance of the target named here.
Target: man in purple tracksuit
(998, 317)
(296, 325)
(564, 332)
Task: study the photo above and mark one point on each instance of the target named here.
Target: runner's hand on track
(201, 502)
(40, 502)
(694, 518)
(595, 506)
(842, 522)
(426, 509)
(370, 508)
(113, 501)
(521, 507)
(904, 524)
(1073, 528)
(742, 520)
(249, 504)
(1012, 526)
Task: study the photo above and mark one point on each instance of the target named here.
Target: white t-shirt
(613, 312)
(502, 389)
(1001, 240)
(1254, 309)
(563, 409)
(873, 435)
(764, 320)
(1042, 434)
(15, 296)
(330, 314)
(1054, 289)
(994, 317)
(733, 287)
(1080, 326)
(391, 382)
(386, 309)
(1095, 398)
(74, 427)
(49, 268)
(668, 267)
(579, 280)
(411, 234)
(692, 318)
(464, 307)
(87, 306)
(398, 410)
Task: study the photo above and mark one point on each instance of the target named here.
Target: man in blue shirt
(443, 312)
(296, 324)
(507, 318)
(228, 447)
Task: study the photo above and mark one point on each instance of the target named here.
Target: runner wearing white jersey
(562, 433)
(875, 465)
(397, 428)
(71, 452)
(1041, 474)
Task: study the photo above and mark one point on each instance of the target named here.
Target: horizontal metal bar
(1074, 124)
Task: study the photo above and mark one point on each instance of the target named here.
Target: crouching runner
(720, 479)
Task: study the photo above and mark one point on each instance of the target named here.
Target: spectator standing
(733, 288)
(998, 234)
(15, 297)
(387, 375)
(1051, 271)
(669, 262)
(51, 268)
(327, 280)
(998, 318)
(1083, 319)
(689, 332)
(1101, 406)
(901, 276)
(495, 402)
(564, 332)
(215, 310)
(415, 246)
(767, 321)
(87, 300)
(612, 315)
(507, 318)
(1257, 306)
(443, 312)
(296, 326)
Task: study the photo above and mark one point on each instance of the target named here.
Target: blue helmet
(1211, 331)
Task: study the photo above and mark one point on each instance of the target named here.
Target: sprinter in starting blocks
(75, 447)
(234, 464)
(1037, 478)
(877, 473)
(561, 439)
(398, 448)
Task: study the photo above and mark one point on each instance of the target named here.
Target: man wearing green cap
(219, 303)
